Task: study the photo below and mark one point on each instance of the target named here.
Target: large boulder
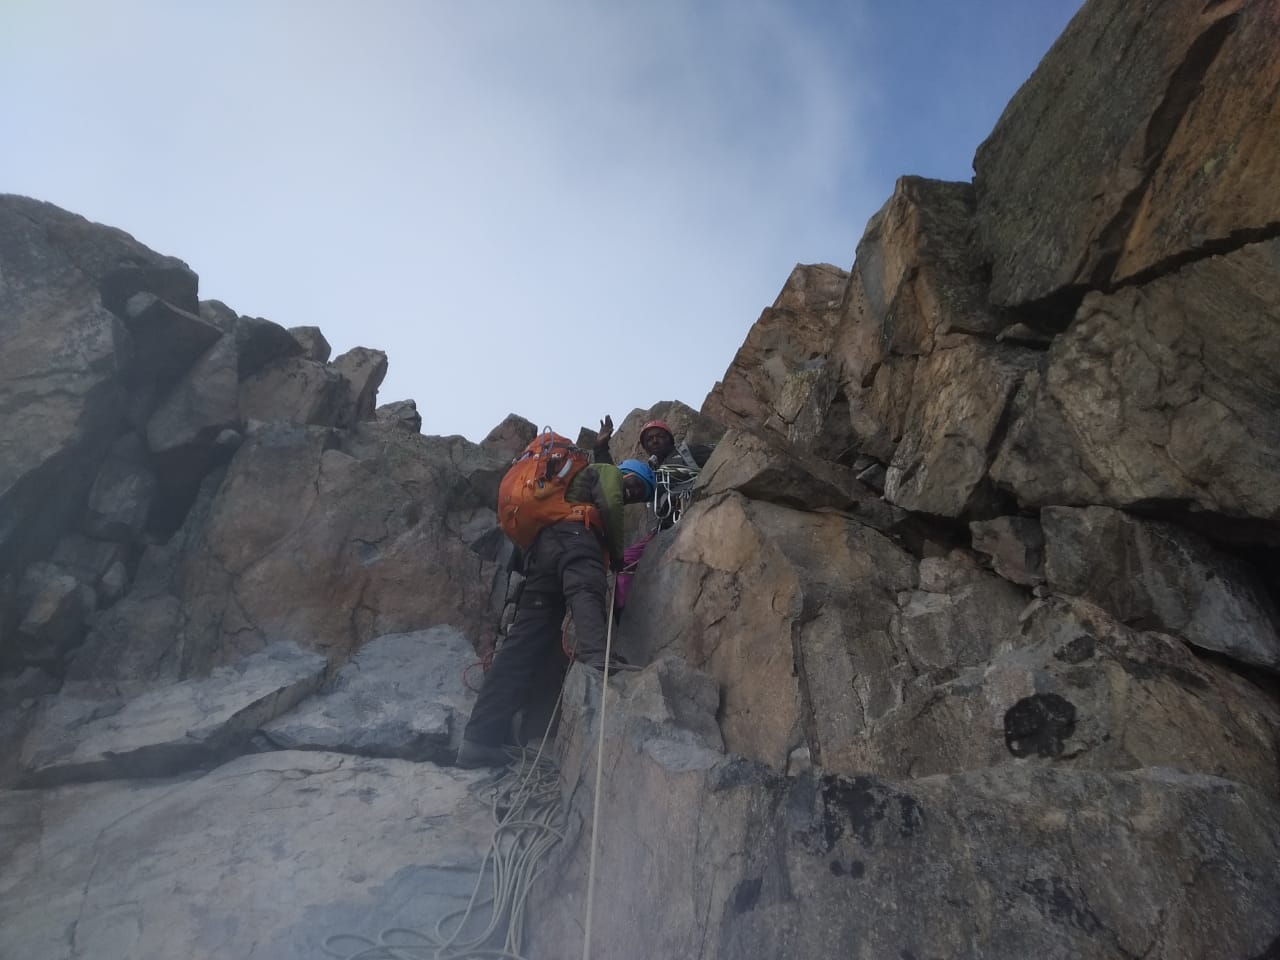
(511, 436)
(1164, 147)
(296, 390)
(166, 339)
(769, 380)
(1161, 394)
(364, 370)
(760, 466)
(403, 695)
(192, 867)
(205, 402)
(1162, 576)
(775, 604)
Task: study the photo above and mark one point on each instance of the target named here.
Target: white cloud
(559, 209)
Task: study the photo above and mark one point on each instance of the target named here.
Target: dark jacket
(600, 484)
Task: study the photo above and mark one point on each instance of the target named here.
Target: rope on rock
(528, 822)
(595, 800)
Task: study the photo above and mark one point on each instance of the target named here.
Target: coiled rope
(528, 822)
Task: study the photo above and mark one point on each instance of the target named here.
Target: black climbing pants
(565, 566)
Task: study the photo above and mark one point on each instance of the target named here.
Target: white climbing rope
(528, 822)
(595, 800)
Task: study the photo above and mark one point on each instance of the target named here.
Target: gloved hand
(605, 433)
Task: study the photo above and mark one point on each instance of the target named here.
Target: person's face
(633, 489)
(657, 442)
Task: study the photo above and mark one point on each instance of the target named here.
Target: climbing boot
(617, 664)
(472, 755)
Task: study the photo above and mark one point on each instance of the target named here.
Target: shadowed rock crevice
(1183, 86)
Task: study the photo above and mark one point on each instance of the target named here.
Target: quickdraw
(673, 492)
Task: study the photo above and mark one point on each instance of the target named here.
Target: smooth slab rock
(268, 856)
(401, 696)
(1163, 392)
(1164, 147)
(170, 728)
(1003, 864)
(1163, 576)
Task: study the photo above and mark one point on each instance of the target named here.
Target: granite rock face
(1173, 132)
(1012, 861)
(1162, 392)
(965, 644)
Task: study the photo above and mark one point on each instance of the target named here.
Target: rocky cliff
(967, 646)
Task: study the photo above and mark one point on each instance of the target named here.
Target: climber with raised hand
(659, 444)
(567, 536)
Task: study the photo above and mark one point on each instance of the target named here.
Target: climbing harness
(673, 492)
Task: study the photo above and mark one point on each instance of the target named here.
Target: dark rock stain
(1038, 725)
(856, 869)
(1271, 953)
(747, 895)
(1154, 669)
(1055, 901)
(1078, 650)
(858, 805)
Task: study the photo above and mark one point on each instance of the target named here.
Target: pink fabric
(630, 557)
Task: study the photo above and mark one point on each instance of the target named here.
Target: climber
(659, 443)
(564, 566)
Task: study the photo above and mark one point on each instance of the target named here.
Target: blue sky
(559, 209)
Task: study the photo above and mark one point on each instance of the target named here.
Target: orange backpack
(531, 495)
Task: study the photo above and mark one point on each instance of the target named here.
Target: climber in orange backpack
(566, 514)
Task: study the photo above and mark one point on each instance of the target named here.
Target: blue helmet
(642, 470)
